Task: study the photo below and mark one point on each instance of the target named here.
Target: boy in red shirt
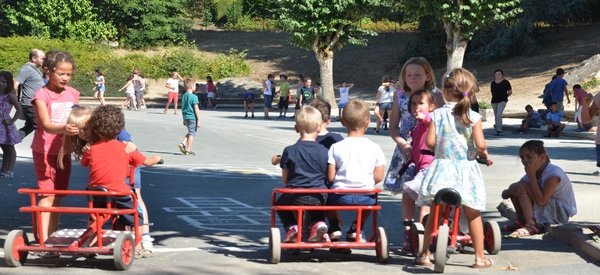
(107, 159)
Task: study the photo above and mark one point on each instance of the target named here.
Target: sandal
(483, 263)
(526, 230)
(512, 227)
(547, 135)
(498, 134)
(376, 131)
(144, 253)
(423, 260)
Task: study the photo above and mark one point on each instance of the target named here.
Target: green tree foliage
(325, 26)
(462, 18)
(62, 19)
(147, 23)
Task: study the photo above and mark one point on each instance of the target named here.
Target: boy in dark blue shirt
(304, 165)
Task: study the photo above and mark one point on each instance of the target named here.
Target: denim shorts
(341, 105)
(191, 125)
(533, 124)
(268, 101)
(350, 199)
(385, 106)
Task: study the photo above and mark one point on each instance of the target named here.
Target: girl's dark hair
(426, 94)
(386, 79)
(53, 57)
(461, 84)
(535, 146)
(209, 78)
(99, 72)
(130, 77)
(499, 70)
(9, 82)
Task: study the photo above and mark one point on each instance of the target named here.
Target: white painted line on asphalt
(284, 142)
(267, 173)
(248, 219)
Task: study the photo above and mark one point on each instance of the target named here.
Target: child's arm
(394, 127)
(479, 140)
(378, 173)
(127, 84)
(284, 176)
(12, 99)
(350, 85)
(430, 138)
(152, 160)
(41, 112)
(566, 93)
(331, 171)
(130, 147)
(197, 111)
(276, 159)
(336, 87)
(540, 197)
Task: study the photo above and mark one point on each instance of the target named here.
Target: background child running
(191, 116)
(579, 94)
(129, 91)
(109, 162)
(416, 75)
(344, 89)
(456, 136)
(554, 117)
(532, 120)
(99, 87)
(304, 165)
(354, 163)
(549, 200)
(385, 97)
(249, 102)
(9, 135)
(422, 103)
(52, 104)
(284, 91)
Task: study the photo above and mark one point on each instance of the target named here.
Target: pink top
(59, 108)
(418, 134)
(579, 95)
(210, 86)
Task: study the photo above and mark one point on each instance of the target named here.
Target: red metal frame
(99, 215)
(454, 235)
(301, 208)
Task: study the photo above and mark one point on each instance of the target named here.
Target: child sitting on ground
(549, 200)
(304, 165)
(554, 117)
(532, 120)
(108, 160)
(354, 163)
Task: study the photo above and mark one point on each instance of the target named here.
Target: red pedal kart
(377, 240)
(446, 237)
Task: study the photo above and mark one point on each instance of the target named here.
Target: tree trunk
(456, 46)
(325, 59)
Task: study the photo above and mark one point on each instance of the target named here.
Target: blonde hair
(308, 120)
(355, 114)
(189, 83)
(421, 61)
(460, 84)
(73, 145)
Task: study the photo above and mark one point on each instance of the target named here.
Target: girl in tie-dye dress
(9, 136)
(456, 137)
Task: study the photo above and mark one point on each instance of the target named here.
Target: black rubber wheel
(124, 251)
(15, 240)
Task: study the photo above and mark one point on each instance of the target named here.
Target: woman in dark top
(501, 90)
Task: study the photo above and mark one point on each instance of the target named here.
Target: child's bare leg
(423, 259)
(550, 129)
(408, 209)
(49, 220)
(190, 140)
(475, 230)
(175, 106)
(246, 107)
(423, 211)
(146, 225)
(526, 206)
(252, 107)
(378, 116)
(560, 128)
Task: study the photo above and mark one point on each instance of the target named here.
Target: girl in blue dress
(456, 136)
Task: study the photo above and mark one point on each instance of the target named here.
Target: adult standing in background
(501, 90)
(31, 79)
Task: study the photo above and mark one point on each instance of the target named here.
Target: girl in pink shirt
(52, 104)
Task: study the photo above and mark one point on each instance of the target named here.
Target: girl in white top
(549, 200)
(130, 92)
(344, 88)
(385, 100)
(99, 87)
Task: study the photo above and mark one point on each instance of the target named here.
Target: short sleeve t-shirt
(59, 108)
(537, 118)
(329, 139)
(306, 162)
(173, 82)
(284, 89)
(579, 95)
(557, 89)
(267, 90)
(344, 95)
(564, 189)
(31, 78)
(307, 94)
(555, 117)
(187, 106)
(499, 91)
(387, 96)
(247, 95)
(355, 158)
(109, 164)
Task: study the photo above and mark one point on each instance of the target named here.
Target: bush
(385, 25)
(484, 105)
(88, 57)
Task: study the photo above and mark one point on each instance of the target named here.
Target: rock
(507, 210)
(587, 70)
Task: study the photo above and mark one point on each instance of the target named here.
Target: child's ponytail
(460, 83)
